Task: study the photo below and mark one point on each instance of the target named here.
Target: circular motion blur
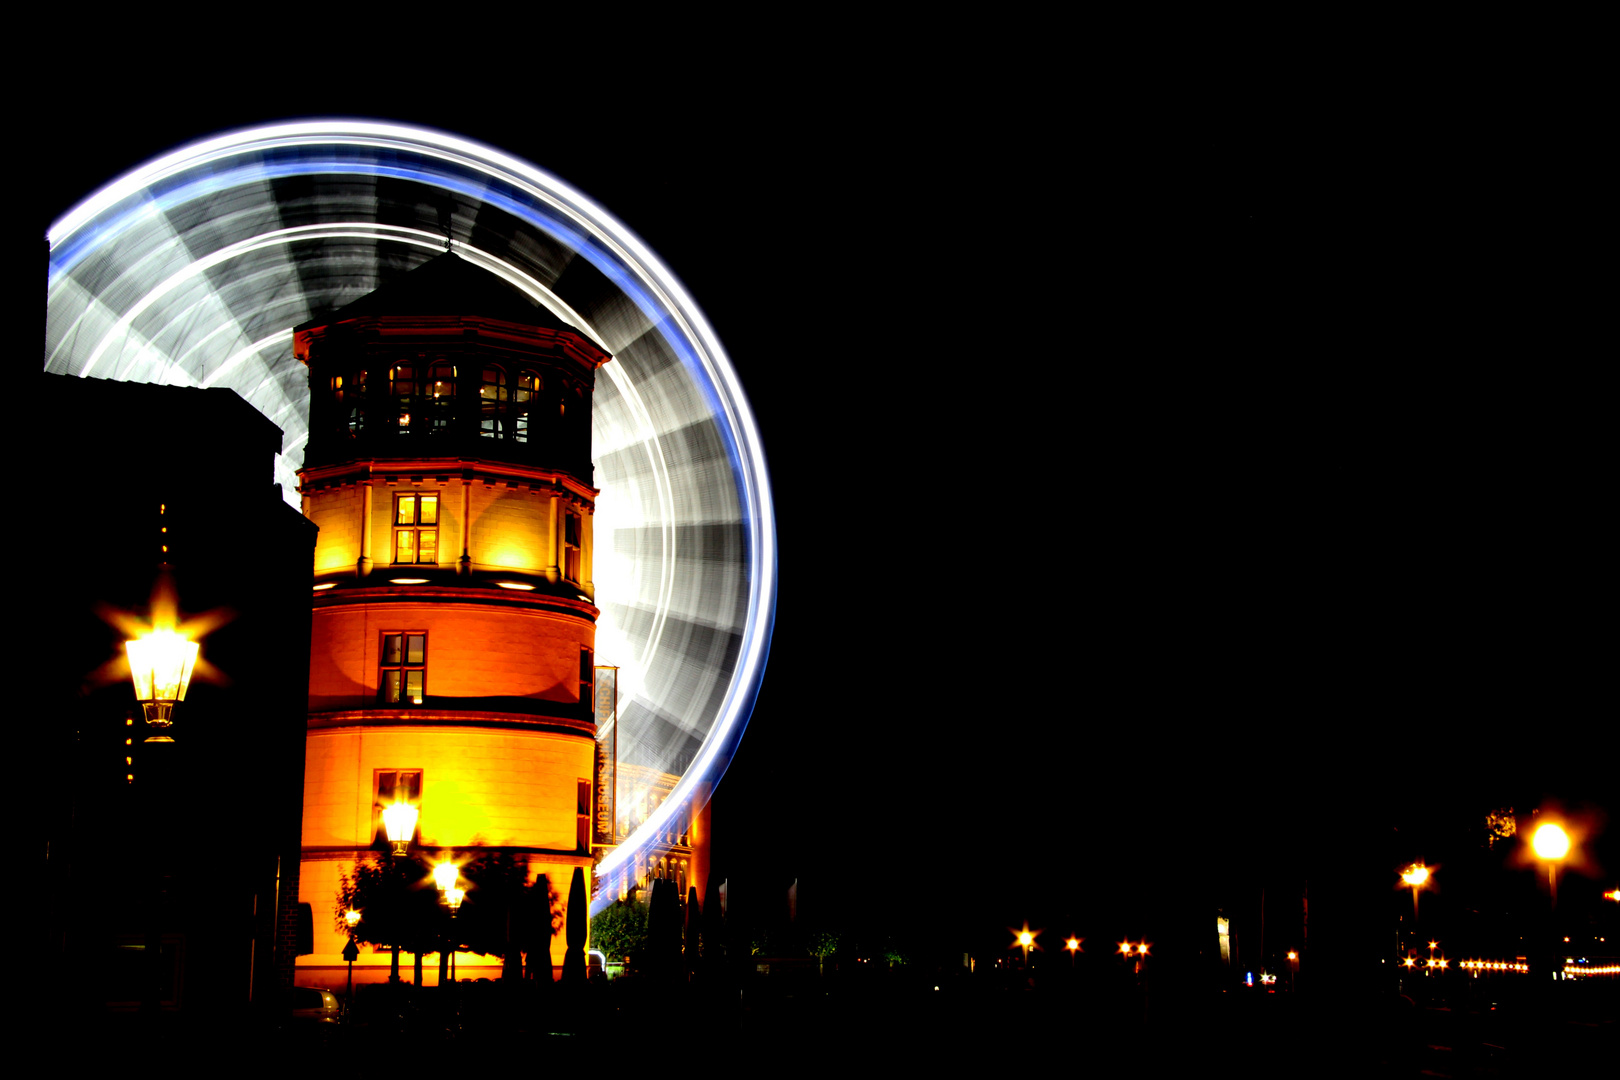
(193, 270)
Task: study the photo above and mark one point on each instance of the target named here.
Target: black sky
(1167, 468)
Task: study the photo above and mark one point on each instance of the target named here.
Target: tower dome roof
(447, 285)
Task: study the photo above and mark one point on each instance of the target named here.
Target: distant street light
(1025, 939)
(1073, 945)
(1551, 844)
(1417, 876)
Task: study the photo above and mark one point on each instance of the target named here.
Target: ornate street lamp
(160, 665)
(399, 822)
(445, 876)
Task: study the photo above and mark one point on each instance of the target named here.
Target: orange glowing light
(1550, 842)
(1434, 944)
(1025, 939)
(1415, 875)
(160, 665)
(1125, 948)
(1073, 944)
(1410, 961)
(1292, 955)
(444, 875)
(1142, 948)
(399, 821)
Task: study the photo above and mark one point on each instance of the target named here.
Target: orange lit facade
(453, 635)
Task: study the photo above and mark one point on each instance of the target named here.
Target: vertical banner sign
(607, 751)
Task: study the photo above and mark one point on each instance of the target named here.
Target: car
(312, 1005)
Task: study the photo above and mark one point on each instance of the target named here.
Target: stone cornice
(430, 719)
(432, 470)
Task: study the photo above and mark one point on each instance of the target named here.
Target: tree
(822, 944)
(398, 905)
(496, 884)
(621, 929)
(539, 918)
(664, 931)
(575, 928)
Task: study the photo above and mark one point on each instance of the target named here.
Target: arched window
(349, 398)
(492, 399)
(525, 394)
(440, 391)
(402, 389)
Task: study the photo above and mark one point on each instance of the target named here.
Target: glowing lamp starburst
(1550, 842)
(399, 822)
(445, 875)
(160, 665)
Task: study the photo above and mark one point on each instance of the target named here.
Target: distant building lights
(518, 585)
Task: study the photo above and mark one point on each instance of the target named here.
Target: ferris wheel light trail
(191, 269)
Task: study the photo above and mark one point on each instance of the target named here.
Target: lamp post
(445, 876)
(1073, 945)
(160, 665)
(1551, 844)
(1416, 875)
(399, 823)
(351, 953)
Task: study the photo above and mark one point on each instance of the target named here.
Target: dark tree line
(502, 914)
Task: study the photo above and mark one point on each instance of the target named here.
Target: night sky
(1172, 482)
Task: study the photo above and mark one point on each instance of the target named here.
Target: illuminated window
(582, 818)
(493, 395)
(571, 534)
(416, 529)
(525, 392)
(440, 393)
(402, 388)
(349, 393)
(403, 672)
(394, 785)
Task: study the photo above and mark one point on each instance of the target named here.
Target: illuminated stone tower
(449, 470)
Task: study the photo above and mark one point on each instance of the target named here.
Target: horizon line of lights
(1571, 969)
